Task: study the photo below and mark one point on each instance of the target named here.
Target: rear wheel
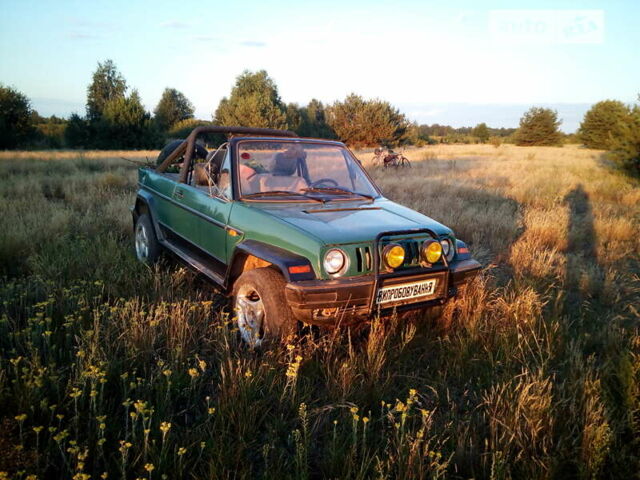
(260, 307)
(146, 243)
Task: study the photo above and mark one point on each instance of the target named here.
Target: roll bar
(187, 147)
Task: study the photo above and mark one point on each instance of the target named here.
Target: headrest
(285, 166)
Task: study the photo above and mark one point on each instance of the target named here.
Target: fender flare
(145, 198)
(283, 259)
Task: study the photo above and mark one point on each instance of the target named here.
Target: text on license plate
(406, 291)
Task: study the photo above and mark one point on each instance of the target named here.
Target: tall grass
(108, 368)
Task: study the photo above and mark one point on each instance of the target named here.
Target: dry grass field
(108, 368)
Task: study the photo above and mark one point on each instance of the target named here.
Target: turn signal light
(300, 269)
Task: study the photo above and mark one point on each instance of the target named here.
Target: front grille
(363, 259)
(412, 252)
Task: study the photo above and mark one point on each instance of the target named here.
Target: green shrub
(539, 126)
(366, 123)
(625, 149)
(603, 124)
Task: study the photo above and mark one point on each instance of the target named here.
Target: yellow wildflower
(164, 427)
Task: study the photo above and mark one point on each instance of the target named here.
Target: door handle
(178, 194)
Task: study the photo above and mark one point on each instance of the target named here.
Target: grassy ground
(110, 368)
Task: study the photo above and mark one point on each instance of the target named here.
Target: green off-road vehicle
(293, 230)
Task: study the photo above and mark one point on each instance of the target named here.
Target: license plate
(406, 291)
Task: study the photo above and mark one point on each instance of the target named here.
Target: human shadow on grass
(582, 272)
(583, 319)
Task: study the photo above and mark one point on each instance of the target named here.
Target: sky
(458, 62)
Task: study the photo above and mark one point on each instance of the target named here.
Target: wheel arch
(145, 204)
(251, 254)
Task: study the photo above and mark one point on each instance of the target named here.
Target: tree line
(116, 119)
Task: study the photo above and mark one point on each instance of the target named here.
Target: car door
(168, 209)
(209, 208)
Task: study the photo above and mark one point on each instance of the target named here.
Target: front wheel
(261, 310)
(146, 243)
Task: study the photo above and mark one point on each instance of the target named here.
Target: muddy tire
(146, 244)
(260, 307)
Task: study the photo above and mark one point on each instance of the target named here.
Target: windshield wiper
(280, 193)
(338, 190)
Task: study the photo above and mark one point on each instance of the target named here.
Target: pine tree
(481, 131)
(294, 116)
(360, 122)
(77, 134)
(625, 149)
(126, 124)
(172, 108)
(539, 126)
(254, 102)
(314, 121)
(602, 124)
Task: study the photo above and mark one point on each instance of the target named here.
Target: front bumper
(348, 300)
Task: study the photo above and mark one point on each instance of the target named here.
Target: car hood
(351, 222)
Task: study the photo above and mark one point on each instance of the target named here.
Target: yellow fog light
(431, 251)
(393, 255)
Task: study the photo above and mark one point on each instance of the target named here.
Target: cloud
(175, 24)
(206, 38)
(75, 35)
(92, 24)
(88, 29)
(253, 43)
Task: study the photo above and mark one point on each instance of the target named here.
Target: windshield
(268, 168)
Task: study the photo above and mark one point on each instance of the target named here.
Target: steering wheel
(318, 183)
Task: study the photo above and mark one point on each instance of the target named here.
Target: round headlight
(431, 251)
(393, 255)
(447, 248)
(334, 261)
